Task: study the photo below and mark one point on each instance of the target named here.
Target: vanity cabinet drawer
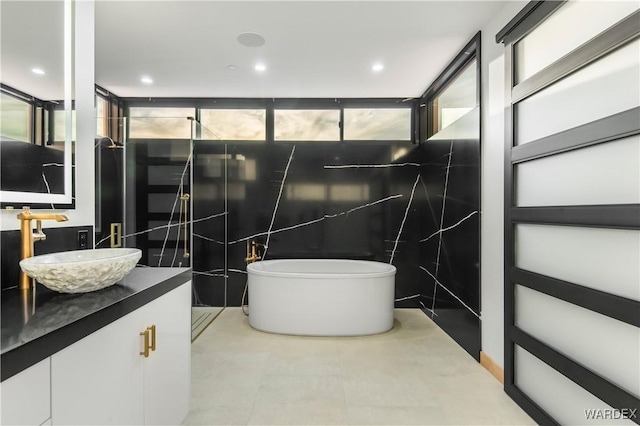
(98, 380)
(167, 370)
(26, 397)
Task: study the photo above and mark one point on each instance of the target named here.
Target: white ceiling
(313, 48)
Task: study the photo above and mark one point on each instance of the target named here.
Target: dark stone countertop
(36, 324)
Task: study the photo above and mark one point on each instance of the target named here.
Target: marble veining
(209, 274)
(448, 291)
(169, 225)
(444, 201)
(440, 231)
(207, 238)
(46, 184)
(371, 166)
(275, 208)
(404, 218)
(400, 299)
(320, 219)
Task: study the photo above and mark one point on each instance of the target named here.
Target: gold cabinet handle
(145, 352)
(116, 235)
(153, 337)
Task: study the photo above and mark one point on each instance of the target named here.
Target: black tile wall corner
(450, 227)
(58, 239)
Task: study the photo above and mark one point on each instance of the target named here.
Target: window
(160, 123)
(307, 125)
(15, 118)
(235, 124)
(102, 119)
(59, 125)
(377, 124)
(457, 99)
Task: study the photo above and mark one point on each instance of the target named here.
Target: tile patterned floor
(413, 375)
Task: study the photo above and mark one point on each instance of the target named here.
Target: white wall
(492, 185)
(83, 214)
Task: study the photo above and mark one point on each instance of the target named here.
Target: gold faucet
(252, 251)
(28, 236)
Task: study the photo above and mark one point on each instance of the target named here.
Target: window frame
(271, 104)
(40, 130)
(471, 51)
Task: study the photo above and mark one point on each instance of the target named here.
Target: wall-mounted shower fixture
(252, 251)
(113, 144)
(252, 256)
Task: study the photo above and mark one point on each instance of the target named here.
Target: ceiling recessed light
(231, 67)
(146, 80)
(251, 39)
(260, 67)
(377, 67)
(38, 71)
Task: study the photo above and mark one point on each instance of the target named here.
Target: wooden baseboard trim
(492, 367)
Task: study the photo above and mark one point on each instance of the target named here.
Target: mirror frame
(66, 200)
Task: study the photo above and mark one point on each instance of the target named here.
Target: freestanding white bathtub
(321, 297)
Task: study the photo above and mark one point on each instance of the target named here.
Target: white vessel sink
(81, 271)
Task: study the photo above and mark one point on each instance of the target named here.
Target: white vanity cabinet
(26, 397)
(167, 370)
(103, 379)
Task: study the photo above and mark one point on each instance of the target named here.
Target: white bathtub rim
(255, 268)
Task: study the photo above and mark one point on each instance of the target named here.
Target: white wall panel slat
(602, 259)
(550, 40)
(606, 346)
(603, 88)
(564, 400)
(601, 174)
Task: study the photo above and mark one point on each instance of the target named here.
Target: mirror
(36, 126)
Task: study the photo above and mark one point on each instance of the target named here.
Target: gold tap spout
(27, 214)
(28, 236)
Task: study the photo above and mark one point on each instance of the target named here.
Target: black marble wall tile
(449, 250)
(209, 249)
(254, 174)
(58, 239)
(23, 166)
